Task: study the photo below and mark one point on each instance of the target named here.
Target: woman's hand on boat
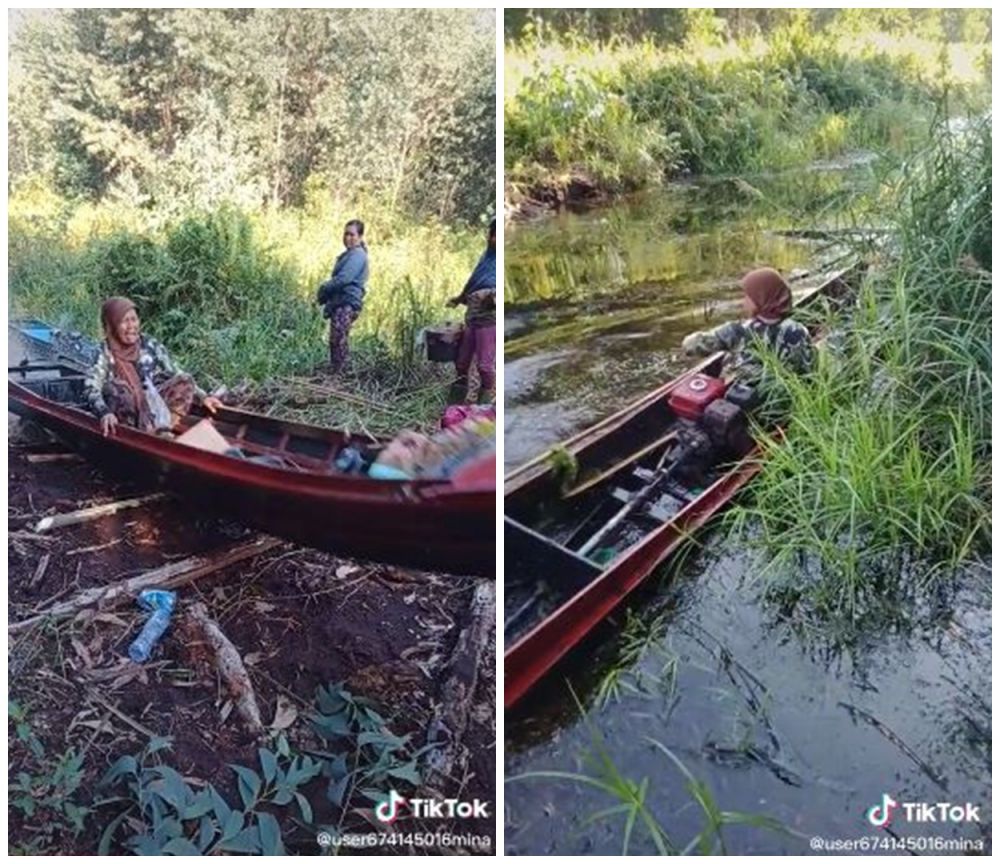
(212, 404)
(109, 422)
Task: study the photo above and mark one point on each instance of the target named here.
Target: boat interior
(629, 483)
(262, 439)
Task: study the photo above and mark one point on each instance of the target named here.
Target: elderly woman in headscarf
(767, 301)
(134, 381)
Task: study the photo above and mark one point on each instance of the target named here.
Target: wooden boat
(568, 563)
(297, 493)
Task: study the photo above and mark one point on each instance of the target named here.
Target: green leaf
(247, 842)
(331, 726)
(305, 808)
(107, 835)
(337, 767)
(157, 744)
(331, 699)
(268, 763)
(249, 785)
(381, 739)
(170, 787)
(206, 832)
(335, 791)
(310, 769)
(180, 846)
(124, 765)
(283, 745)
(222, 810)
(407, 772)
(270, 835)
(282, 796)
(198, 806)
(233, 825)
(144, 845)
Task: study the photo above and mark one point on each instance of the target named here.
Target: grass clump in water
(880, 489)
(634, 805)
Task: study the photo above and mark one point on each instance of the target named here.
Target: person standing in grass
(343, 294)
(767, 300)
(134, 381)
(479, 341)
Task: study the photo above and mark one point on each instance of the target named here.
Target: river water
(772, 717)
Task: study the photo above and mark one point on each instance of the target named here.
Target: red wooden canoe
(544, 527)
(438, 525)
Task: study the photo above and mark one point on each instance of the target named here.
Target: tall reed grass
(880, 489)
(233, 292)
(628, 114)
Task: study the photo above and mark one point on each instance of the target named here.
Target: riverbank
(584, 119)
(231, 293)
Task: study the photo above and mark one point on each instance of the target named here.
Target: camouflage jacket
(154, 363)
(787, 338)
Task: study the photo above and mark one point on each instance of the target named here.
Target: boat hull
(538, 651)
(418, 524)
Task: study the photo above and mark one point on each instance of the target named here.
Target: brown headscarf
(769, 293)
(125, 356)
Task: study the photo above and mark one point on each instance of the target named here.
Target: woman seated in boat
(343, 294)
(768, 303)
(134, 381)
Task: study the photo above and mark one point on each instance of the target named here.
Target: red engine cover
(695, 394)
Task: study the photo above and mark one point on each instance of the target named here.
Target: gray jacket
(346, 285)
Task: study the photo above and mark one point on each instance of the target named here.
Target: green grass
(637, 807)
(232, 293)
(628, 114)
(880, 490)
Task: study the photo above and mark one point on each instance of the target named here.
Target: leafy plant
(373, 758)
(44, 787)
(169, 815)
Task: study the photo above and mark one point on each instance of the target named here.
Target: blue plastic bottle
(161, 603)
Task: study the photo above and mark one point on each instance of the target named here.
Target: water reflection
(597, 303)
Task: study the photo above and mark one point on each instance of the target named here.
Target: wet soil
(299, 618)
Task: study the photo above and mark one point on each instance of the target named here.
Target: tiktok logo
(388, 810)
(881, 814)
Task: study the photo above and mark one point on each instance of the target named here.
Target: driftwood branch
(44, 458)
(169, 576)
(43, 564)
(462, 674)
(230, 666)
(88, 514)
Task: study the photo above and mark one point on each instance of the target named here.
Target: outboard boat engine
(714, 418)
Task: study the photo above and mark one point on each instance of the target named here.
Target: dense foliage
(626, 107)
(179, 108)
(881, 489)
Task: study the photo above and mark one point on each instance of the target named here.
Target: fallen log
(169, 576)
(230, 666)
(462, 676)
(87, 514)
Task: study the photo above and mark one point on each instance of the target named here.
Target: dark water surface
(771, 717)
(597, 303)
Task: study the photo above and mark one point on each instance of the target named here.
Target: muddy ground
(299, 618)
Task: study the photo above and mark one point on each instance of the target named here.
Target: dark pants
(479, 344)
(177, 392)
(341, 320)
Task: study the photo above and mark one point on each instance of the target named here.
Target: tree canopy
(176, 108)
